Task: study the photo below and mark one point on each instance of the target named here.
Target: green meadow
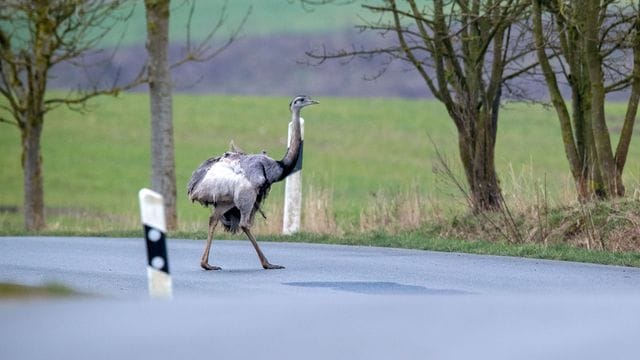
(263, 18)
(359, 154)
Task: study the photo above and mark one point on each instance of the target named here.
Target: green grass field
(358, 151)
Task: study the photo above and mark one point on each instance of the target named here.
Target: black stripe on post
(298, 166)
(156, 248)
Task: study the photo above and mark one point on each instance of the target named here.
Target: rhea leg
(204, 262)
(263, 259)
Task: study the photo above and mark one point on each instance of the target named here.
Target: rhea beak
(312, 102)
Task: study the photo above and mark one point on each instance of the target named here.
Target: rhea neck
(293, 152)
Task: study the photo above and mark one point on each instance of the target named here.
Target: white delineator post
(293, 190)
(153, 222)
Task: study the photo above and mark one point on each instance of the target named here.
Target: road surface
(330, 302)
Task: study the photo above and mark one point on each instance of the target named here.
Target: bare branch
(619, 85)
(83, 96)
(519, 72)
(203, 51)
(12, 122)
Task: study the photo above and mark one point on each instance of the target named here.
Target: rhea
(235, 184)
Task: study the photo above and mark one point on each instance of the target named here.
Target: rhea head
(301, 101)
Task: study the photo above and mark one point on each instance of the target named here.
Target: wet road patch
(375, 287)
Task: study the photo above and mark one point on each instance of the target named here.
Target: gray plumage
(249, 174)
(236, 184)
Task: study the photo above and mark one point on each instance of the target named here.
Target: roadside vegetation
(370, 176)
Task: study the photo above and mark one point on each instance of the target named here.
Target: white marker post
(293, 190)
(153, 222)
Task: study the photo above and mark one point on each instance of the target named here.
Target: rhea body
(235, 184)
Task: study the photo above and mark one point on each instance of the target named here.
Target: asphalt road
(330, 302)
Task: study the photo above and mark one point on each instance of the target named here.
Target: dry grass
(535, 217)
(394, 213)
(608, 225)
(318, 215)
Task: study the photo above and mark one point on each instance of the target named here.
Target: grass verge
(424, 239)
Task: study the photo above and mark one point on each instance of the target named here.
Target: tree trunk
(485, 189)
(32, 171)
(557, 100)
(31, 120)
(163, 178)
(477, 153)
(632, 107)
(593, 59)
(584, 132)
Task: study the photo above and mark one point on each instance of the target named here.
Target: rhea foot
(206, 266)
(268, 266)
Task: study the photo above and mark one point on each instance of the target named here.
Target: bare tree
(465, 51)
(163, 177)
(163, 173)
(593, 41)
(35, 37)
